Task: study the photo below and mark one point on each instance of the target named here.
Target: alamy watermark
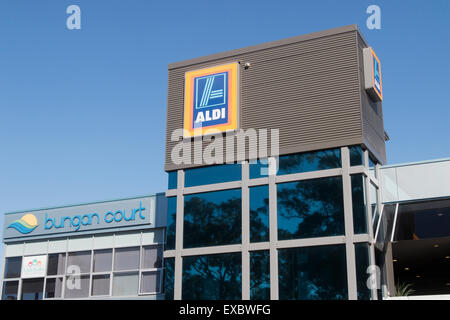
(215, 147)
(374, 20)
(74, 20)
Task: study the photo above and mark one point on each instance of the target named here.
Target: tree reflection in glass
(310, 208)
(309, 161)
(212, 277)
(260, 275)
(212, 218)
(259, 213)
(312, 273)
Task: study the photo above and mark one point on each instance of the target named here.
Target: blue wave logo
(25, 225)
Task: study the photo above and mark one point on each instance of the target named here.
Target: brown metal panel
(308, 87)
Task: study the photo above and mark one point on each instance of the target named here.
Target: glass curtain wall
(224, 247)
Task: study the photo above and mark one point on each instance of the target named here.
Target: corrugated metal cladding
(309, 87)
(372, 113)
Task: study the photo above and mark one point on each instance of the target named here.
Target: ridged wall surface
(372, 114)
(307, 87)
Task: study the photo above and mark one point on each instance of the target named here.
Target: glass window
(212, 277)
(259, 213)
(169, 272)
(171, 222)
(259, 168)
(81, 260)
(212, 174)
(126, 259)
(212, 218)
(56, 264)
(152, 256)
(356, 156)
(359, 204)
(102, 260)
(422, 220)
(77, 286)
(309, 161)
(125, 284)
(100, 284)
(10, 290)
(260, 275)
(312, 273)
(13, 267)
(362, 263)
(173, 179)
(150, 282)
(310, 208)
(53, 287)
(32, 289)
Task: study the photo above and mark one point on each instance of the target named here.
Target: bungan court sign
(88, 217)
(211, 100)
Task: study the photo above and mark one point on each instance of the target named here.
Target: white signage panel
(34, 266)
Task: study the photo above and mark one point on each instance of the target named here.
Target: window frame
(158, 244)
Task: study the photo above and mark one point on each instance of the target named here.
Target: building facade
(103, 250)
(413, 234)
(278, 188)
(293, 223)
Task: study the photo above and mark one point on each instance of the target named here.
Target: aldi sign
(372, 75)
(211, 100)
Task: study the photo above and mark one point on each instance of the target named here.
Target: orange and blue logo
(376, 72)
(26, 224)
(211, 100)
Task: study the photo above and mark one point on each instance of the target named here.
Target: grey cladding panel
(372, 115)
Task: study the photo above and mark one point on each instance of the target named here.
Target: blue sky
(82, 112)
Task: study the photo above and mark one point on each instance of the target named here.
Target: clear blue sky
(82, 112)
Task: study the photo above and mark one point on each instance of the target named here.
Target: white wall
(430, 179)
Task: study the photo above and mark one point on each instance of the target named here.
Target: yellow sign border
(380, 94)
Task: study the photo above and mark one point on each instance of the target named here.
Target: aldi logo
(377, 75)
(372, 75)
(211, 99)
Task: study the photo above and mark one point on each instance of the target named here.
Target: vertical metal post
(179, 236)
(245, 232)
(348, 220)
(394, 225)
(273, 231)
(369, 219)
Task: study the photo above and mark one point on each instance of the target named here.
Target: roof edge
(415, 163)
(85, 204)
(267, 45)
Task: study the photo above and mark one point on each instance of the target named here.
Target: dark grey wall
(372, 112)
(309, 87)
